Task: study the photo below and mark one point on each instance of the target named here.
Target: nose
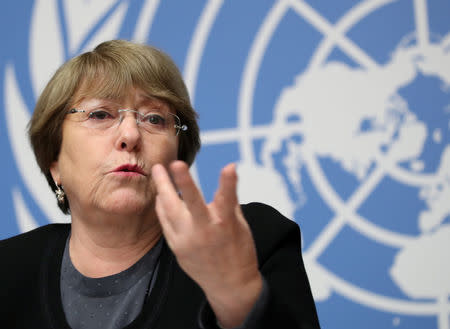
(129, 134)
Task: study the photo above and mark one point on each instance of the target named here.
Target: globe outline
(245, 132)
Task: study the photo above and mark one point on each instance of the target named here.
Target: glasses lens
(154, 121)
(158, 123)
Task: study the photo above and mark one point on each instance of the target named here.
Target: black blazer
(30, 278)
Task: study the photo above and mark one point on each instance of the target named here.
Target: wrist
(231, 306)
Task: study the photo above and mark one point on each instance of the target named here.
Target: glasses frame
(178, 126)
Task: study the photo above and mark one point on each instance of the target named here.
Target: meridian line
(197, 45)
(373, 300)
(194, 55)
(326, 236)
(348, 210)
(235, 134)
(331, 230)
(365, 189)
(252, 64)
(353, 16)
(364, 226)
(406, 177)
(444, 312)
(378, 234)
(422, 25)
(323, 26)
(446, 43)
(342, 210)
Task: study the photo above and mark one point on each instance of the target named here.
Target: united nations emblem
(336, 113)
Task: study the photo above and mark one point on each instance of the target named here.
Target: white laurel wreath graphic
(46, 55)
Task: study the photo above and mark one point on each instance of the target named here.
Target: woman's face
(110, 170)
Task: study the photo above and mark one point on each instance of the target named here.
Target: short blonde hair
(109, 71)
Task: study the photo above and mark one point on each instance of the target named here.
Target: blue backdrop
(336, 112)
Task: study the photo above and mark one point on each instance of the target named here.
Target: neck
(106, 248)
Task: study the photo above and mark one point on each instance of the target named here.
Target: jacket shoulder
(31, 243)
(270, 228)
(264, 219)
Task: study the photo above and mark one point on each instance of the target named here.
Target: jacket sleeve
(286, 301)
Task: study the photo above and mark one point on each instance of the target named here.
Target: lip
(129, 170)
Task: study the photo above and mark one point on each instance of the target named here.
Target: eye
(100, 115)
(154, 119)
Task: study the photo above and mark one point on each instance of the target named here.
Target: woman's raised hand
(212, 242)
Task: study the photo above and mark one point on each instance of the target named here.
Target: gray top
(110, 302)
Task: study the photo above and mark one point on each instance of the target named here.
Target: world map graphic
(336, 113)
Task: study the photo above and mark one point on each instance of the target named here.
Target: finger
(226, 198)
(191, 195)
(166, 224)
(168, 198)
(163, 184)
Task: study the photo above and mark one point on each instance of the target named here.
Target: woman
(114, 133)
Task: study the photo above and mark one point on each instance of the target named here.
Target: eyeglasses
(154, 121)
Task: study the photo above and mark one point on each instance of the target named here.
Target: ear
(54, 171)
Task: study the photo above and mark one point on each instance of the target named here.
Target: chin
(128, 204)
